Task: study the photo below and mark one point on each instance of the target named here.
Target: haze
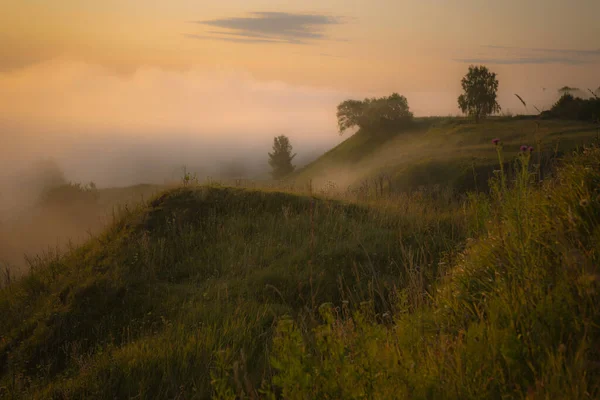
(122, 92)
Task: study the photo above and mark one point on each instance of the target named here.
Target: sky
(114, 87)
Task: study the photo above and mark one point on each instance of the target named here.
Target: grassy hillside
(146, 308)
(516, 316)
(447, 151)
(67, 214)
(235, 293)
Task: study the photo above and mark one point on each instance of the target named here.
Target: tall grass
(198, 277)
(210, 291)
(517, 316)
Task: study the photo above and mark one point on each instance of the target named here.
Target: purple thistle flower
(496, 141)
(530, 149)
(524, 148)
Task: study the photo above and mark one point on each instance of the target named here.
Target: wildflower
(530, 149)
(496, 141)
(584, 202)
(524, 148)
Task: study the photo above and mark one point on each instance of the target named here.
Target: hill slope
(184, 297)
(447, 151)
(145, 308)
(516, 316)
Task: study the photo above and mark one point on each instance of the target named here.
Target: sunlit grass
(200, 270)
(328, 291)
(516, 316)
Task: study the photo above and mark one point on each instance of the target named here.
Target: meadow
(468, 270)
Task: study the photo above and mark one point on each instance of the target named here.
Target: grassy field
(439, 151)
(211, 291)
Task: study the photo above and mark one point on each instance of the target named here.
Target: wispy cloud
(232, 39)
(524, 60)
(533, 55)
(269, 27)
(546, 50)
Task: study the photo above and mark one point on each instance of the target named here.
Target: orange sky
(223, 69)
(372, 45)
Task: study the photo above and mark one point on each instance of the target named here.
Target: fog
(118, 130)
(124, 129)
(97, 125)
(85, 123)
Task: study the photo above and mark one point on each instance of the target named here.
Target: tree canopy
(479, 97)
(575, 108)
(567, 90)
(382, 113)
(281, 158)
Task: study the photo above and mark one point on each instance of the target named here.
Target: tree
(567, 90)
(350, 114)
(384, 113)
(479, 97)
(281, 158)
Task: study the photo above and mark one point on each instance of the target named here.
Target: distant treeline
(575, 108)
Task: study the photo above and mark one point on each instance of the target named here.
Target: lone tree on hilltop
(281, 158)
(384, 113)
(479, 97)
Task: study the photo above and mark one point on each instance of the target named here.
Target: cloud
(524, 60)
(269, 27)
(533, 55)
(231, 39)
(546, 50)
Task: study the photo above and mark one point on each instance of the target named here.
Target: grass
(210, 291)
(145, 308)
(65, 216)
(516, 316)
(439, 151)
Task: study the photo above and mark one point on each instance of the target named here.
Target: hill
(209, 291)
(64, 215)
(451, 152)
(145, 308)
(515, 316)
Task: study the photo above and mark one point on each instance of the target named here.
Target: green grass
(145, 308)
(440, 151)
(209, 291)
(68, 214)
(516, 316)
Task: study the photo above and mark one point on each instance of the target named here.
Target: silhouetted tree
(382, 113)
(567, 90)
(575, 108)
(479, 97)
(350, 114)
(281, 158)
